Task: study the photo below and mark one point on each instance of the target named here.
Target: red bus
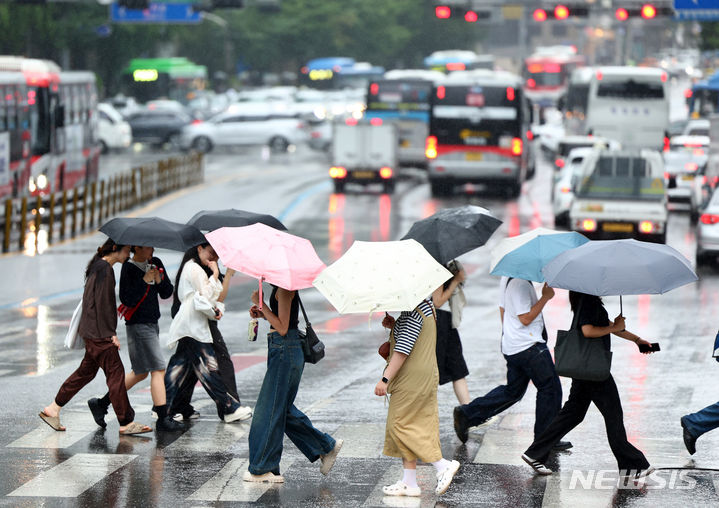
(62, 112)
(546, 73)
(14, 135)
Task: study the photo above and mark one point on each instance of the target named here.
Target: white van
(631, 105)
(114, 132)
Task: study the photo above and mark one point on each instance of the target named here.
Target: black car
(158, 127)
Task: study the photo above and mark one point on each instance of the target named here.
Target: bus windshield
(577, 98)
(399, 95)
(630, 89)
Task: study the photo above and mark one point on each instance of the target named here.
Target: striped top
(409, 325)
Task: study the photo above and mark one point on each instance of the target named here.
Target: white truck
(621, 195)
(364, 153)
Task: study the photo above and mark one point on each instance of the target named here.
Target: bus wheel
(202, 144)
(339, 186)
(440, 188)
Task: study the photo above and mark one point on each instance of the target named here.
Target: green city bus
(174, 78)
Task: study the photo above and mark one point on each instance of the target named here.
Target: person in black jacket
(142, 281)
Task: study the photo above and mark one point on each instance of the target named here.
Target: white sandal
(401, 489)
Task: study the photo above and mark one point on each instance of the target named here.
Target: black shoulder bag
(312, 346)
(578, 357)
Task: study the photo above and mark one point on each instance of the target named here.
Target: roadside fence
(31, 224)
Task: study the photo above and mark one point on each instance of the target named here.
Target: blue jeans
(533, 364)
(199, 358)
(275, 413)
(702, 421)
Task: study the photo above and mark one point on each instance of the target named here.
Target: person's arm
(392, 369)
(226, 284)
(536, 309)
(106, 304)
(164, 285)
(209, 287)
(280, 323)
(501, 315)
(132, 285)
(441, 295)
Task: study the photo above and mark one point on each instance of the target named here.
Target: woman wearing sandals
(411, 378)
(98, 324)
(197, 289)
(275, 412)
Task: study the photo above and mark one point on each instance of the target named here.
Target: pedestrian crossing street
(204, 465)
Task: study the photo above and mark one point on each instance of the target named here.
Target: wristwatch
(385, 380)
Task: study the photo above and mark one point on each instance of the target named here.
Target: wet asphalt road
(86, 466)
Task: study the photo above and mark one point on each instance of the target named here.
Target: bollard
(23, 222)
(93, 189)
(100, 216)
(74, 212)
(38, 219)
(85, 203)
(133, 188)
(63, 216)
(114, 196)
(8, 225)
(51, 222)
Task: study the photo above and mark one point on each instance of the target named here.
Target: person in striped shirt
(411, 378)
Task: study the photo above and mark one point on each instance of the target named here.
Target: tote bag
(312, 346)
(577, 357)
(72, 339)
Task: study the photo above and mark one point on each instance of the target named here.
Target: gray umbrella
(451, 232)
(153, 232)
(619, 267)
(209, 220)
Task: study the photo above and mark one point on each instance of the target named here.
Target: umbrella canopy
(282, 259)
(153, 232)
(209, 220)
(620, 267)
(524, 256)
(381, 276)
(451, 232)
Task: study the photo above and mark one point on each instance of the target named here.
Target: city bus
(14, 135)
(478, 132)
(175, 78)
(402, 97)
(458, 60)
(62, 125)
(546, 73)
(703, 100)
(338, 73)
(574, 103)
(631, 105)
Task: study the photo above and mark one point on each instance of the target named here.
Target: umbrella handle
(261, 298)
(621, 312)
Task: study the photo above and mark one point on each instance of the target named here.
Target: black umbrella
(209, 220)
(451, 232)
(153, 232)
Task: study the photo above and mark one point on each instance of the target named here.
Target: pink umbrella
(260, 251)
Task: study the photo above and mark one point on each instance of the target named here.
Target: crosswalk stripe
(426, 479)
(78, 426)
(361, 440)
(74, 476)
(212, 437)
(560, 492)
(503, 446)
(227, 484)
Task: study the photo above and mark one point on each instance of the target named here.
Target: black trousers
(605, 396)
(181, 402)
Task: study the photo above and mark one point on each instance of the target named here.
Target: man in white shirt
(525, 349)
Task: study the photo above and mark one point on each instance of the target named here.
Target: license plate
(689, 178)
(405, 143)
(618, 227)
(473, 156)
(363, 174)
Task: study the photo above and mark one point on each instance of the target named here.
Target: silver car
(708, 232)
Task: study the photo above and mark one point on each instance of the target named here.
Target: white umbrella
(381, 276)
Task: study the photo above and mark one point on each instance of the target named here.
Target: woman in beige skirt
(411, 378)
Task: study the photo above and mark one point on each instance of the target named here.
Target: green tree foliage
(710, 36)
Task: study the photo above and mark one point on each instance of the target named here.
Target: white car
(247, 124)
(684, 172)
(697, 127)
(708, 232)
(564, 185)
(113, 131)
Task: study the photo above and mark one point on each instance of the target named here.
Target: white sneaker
(328, 460)
(642, 473)
(179, 418)
(240, 414)
(263, 478)
(401, 489)
(536, 465)
(444, 478)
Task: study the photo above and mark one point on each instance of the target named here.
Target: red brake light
(531, 83)
(455, 66)
(510, 93)
(688, 93)
(516, 146)
(698, 152)
(530, 135)
(430, 147)
(664, 77)
(376, 121)
(589, 225)
(709, 218)
(441, 92)
(599, 75)
(338, 172)
(646, 226)
(559, 162)
(666, 144)
(691, 166)
(374, 89)
(442, 12)
(385, 172)
(196, 121)
(351, 121)
(565, 189)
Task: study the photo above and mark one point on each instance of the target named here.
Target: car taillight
(301, 125)
(530, 135)
(315, 134)
(691, 166)
(559, 162)
(666, 144)
(531, 83)
(589, 225)
(385, 172)
(430, 147)
(709, 218)
(351, 121)
(698, 152)
(646, 226)
(338, 172)
(565, 189)
(196, 121)
(516, 146)
(666, 175)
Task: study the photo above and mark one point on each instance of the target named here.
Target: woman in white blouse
(197, 289)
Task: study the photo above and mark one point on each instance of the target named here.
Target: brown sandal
(52, 421)
(135, 428)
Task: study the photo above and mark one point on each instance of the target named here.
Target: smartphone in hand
(653, 347)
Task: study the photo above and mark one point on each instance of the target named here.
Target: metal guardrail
(31, 224)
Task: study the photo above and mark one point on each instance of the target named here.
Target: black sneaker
(538, 467)
(562, 445)
(689, 441)
(461, 424)
(167, 424)
(98, 411)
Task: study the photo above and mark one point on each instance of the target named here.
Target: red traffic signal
(649, 11)
(539, 15)
(621, 14)
(442, 11)
(470, 16)
(561, 12)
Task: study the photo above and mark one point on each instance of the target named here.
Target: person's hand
(646, 343)
(461, 276)
(230, 272)
(547, 292)
(212, 265)
(619, 325)
(218, 314)
(115, 341)
(255, 312)
(158, 275)
(149, 276)
(381, 389)
(388, 321)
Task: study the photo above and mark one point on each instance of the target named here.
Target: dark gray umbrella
(451, 232)
(153, 232)
(209, 220)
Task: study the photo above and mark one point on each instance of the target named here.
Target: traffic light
(134, 4)
(470, 15)
(560, 12)
(645, 11)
